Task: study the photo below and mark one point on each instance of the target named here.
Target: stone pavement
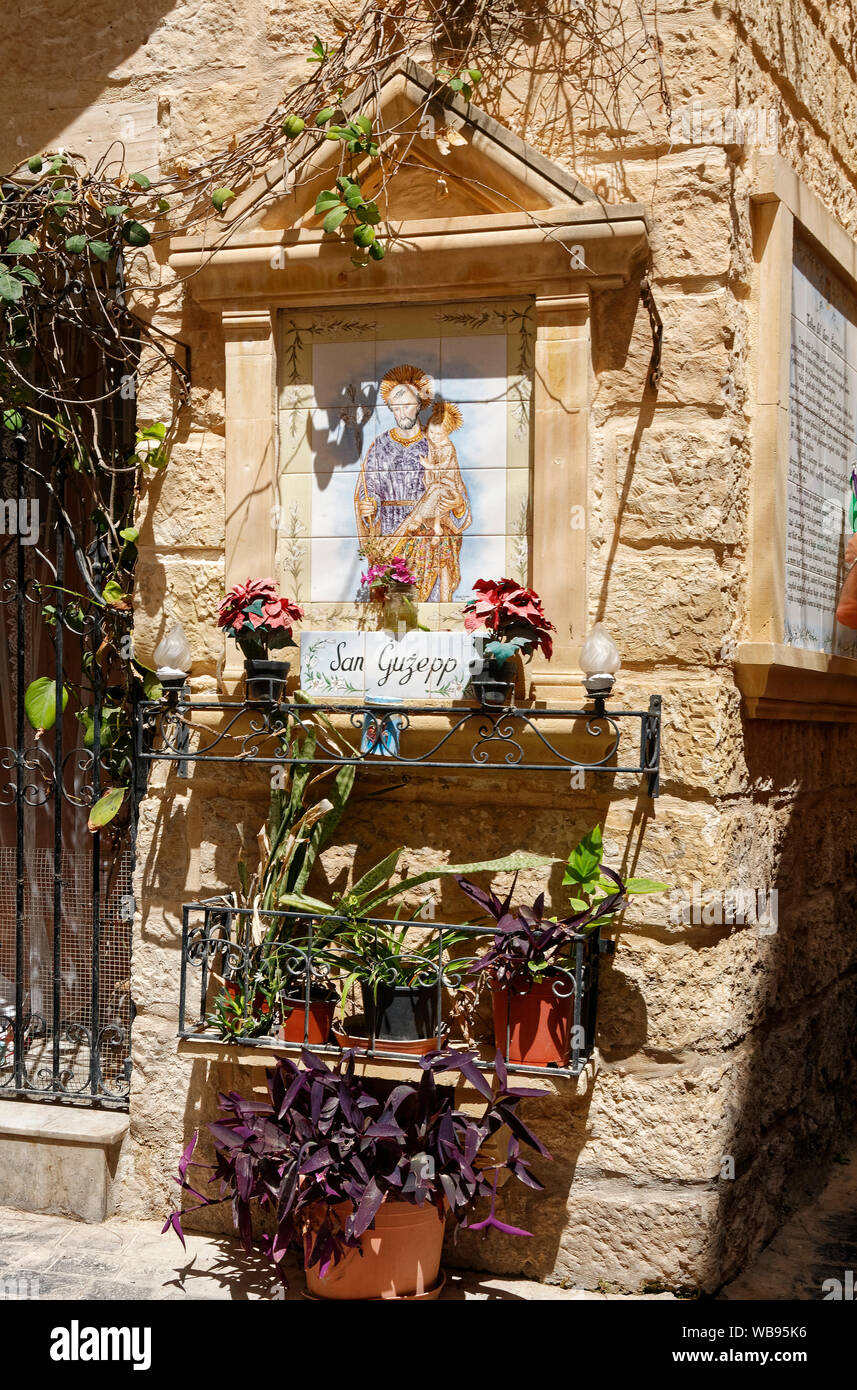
(817, 1244)
(50, 1257)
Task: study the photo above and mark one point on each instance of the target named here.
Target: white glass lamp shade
(172, 654)
(599, 661)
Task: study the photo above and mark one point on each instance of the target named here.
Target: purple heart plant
(328, 1137)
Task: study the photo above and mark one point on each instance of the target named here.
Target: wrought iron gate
(66, 906)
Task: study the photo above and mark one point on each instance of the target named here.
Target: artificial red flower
(509, 611)
(255, 612)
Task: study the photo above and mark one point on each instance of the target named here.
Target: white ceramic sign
(379, 666)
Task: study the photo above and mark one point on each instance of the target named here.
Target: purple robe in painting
(394, 475)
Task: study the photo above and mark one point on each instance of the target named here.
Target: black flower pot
(401, 1011)
(266, 680)
(494, 683)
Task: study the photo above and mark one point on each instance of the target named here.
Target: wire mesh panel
(73, 1024)
(379, 986)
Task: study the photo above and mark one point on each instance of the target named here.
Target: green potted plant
(266, 990)
(359, 1178)
(260, 621)
(514, 623)
(398, 980)
(528, 963)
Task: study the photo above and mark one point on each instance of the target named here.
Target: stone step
(59, 1159)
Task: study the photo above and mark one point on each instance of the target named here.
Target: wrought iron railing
(284, 979)
(521, 739)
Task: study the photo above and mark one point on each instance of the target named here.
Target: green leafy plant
(462, 81)
(320, 52)
(373, 954)
(346, 202)
(591, 882)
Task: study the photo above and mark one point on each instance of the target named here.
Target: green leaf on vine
(40, 703)
(221, 196)
(13, 420)
(151, 685)
(22, 246)
(141, 180)
(135, 234)
(113, 595)
(335, 218)
(10, 288)
(129, 534)
(102, 249)
(75, 244)
(106, 808)
(326, 200)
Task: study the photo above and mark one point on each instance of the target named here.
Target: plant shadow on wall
(571, 81)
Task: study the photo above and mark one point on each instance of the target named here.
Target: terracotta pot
(539, 1023)
(318, 1025)
(400, 1257)
(259, 1008)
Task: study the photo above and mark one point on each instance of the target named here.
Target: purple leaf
(174, 1222)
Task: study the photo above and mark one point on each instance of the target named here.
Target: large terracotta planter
(539, 1021)
(400, 1256)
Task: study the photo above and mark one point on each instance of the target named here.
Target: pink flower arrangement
(258, 618)
(386, 577)
(513, 615)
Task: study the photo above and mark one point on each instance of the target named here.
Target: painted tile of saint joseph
(393, 485)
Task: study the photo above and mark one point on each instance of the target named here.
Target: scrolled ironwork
(256, 734)
(327, 952)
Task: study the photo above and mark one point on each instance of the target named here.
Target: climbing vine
(76, 244)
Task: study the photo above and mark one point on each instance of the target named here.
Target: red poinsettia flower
(255, 615)
(511, 613)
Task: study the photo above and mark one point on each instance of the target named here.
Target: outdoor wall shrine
(435, 407)
(404, 432)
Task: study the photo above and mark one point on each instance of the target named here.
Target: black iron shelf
(171, 730)
(217, 951)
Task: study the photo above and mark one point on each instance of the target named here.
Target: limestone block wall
(723, 1076)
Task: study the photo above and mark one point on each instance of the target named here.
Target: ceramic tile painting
(405, 433)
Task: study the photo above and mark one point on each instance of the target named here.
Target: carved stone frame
(776, 680)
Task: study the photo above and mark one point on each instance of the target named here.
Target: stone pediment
(471, 199)
(457, 162)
